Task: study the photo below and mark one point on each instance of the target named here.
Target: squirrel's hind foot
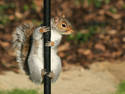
(50, 74)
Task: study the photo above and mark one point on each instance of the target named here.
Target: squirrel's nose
(70, 30)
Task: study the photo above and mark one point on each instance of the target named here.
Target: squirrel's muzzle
(69, 31)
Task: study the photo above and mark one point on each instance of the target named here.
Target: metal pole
(47, 50)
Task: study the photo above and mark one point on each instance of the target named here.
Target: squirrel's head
(62, 25)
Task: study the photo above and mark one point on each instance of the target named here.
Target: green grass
(121, 88)
(18, 91)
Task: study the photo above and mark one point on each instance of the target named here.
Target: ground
(101, 78)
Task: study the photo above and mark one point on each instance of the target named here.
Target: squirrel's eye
(63, 25)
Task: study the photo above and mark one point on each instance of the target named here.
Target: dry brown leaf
(64, 47)
(4, 44)
(100, 46)
(114, 16)
(62, 54)
(116, 54)
(18, 15)
(11, 17)
(123, 39)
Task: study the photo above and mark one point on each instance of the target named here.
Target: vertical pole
(47, 50)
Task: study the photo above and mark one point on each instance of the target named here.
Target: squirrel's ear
(63, 16)
(56, 19)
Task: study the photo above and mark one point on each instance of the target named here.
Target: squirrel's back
(22, 38)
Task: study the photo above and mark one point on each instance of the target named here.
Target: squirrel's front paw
(50, 43)
(44, 29)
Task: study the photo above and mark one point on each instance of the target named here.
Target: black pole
(47, 50)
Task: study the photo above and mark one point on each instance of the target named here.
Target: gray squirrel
(29, 54)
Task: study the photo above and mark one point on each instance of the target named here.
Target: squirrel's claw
(50, 74)
(49, 43)
(44, 29)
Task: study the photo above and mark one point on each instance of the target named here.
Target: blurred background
(99, 30)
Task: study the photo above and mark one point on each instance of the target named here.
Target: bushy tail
(21, 43)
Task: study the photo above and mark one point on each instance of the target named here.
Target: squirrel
(28, 45)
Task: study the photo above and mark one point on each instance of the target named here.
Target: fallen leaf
(100, 46)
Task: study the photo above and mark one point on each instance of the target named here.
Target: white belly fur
(36, 61)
